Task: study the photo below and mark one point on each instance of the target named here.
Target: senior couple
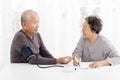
(27, 45)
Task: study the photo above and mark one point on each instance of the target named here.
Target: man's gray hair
(25, 15)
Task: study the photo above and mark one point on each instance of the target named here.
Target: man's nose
(82, 30)
(37, 25)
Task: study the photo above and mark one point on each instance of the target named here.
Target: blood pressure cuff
(27, 52)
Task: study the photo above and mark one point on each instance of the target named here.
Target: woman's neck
(93, 38)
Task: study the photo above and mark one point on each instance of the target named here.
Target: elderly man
(27, 45)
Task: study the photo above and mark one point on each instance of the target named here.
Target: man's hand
(99, 64)
(64, 60)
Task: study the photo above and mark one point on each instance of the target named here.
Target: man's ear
(24, 24)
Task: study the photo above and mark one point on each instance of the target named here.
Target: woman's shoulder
(105, 41)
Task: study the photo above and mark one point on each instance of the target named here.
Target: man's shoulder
(19, 34)
(38, 35)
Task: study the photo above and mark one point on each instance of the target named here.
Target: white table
(24, 71)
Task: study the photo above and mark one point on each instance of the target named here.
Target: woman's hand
(76, 61)
(99, 64)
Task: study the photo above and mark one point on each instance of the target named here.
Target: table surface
(24, 71)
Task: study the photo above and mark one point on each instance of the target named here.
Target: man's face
(31, 26)
(87, 33)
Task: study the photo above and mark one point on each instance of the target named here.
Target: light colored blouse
(101, 49)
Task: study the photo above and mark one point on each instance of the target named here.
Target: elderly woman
(93, 47)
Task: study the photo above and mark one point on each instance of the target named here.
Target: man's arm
(38, 59)
(35, 58)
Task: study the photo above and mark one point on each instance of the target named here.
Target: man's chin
(36, 32)
(84, 37)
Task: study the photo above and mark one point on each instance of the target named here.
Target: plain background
(60, 23)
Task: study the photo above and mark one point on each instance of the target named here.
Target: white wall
(60, 22)
(1, 55)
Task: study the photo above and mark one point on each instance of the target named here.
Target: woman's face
(87, 32)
